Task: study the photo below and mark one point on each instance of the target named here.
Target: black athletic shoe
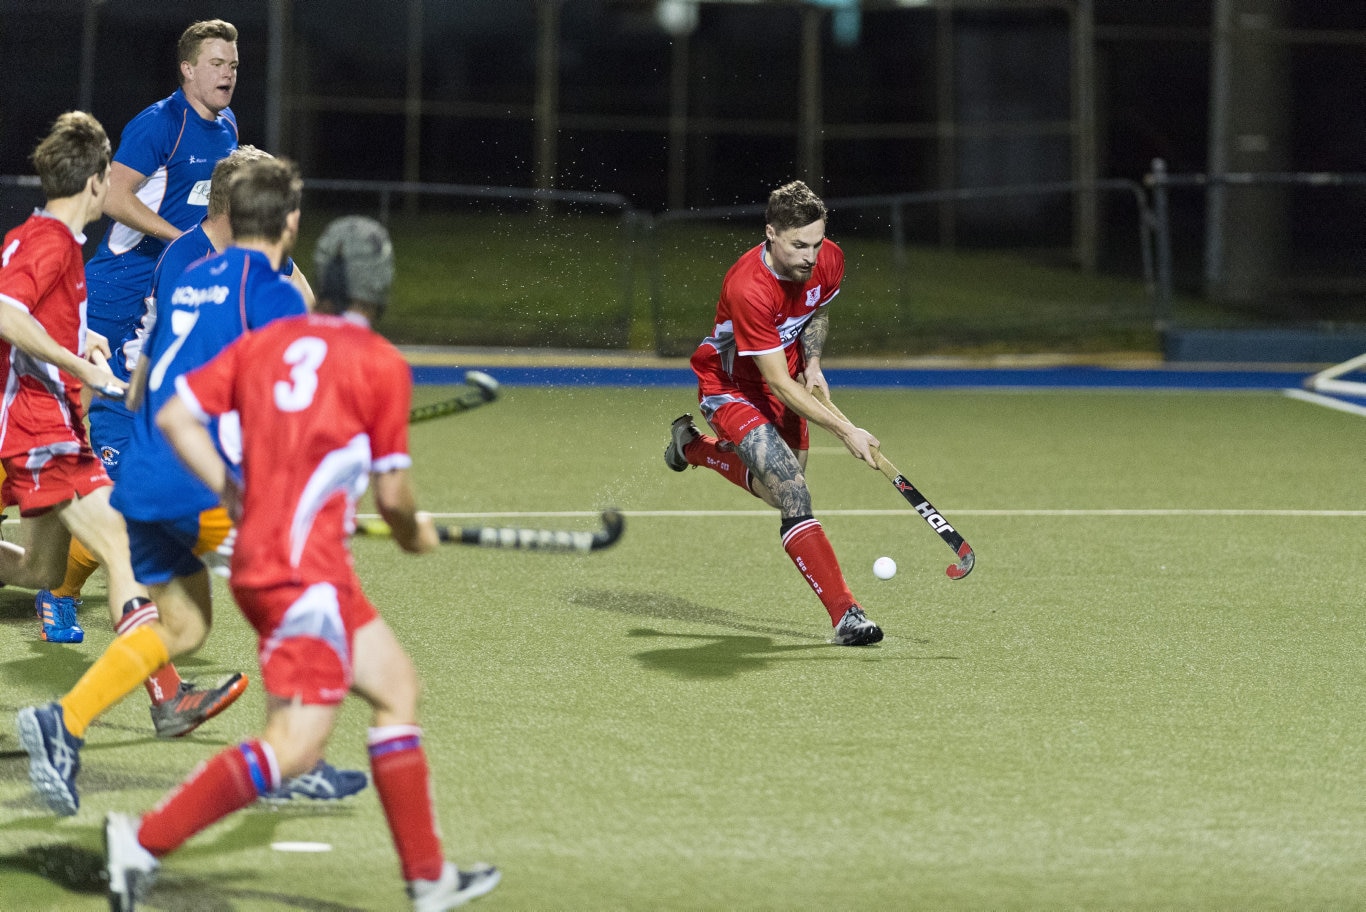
(192, 706)
(854, 629)
(681, 433)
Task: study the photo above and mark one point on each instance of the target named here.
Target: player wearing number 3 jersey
(324, 406)
(301, 384)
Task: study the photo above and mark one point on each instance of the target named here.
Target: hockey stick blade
(520, 539)
(483, 390)
(919, 502)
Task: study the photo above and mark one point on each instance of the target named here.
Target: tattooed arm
(773, 365)
(813, 346)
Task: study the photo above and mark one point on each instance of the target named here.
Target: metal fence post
(1157, 182)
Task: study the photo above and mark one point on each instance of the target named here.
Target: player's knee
(183, 632)
(405, 697)
(297, 755)
(397, 703)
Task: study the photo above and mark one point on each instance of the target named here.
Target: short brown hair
(220, 185)
(793, 205)
(187, 49)
(75, 148)
(260, 197)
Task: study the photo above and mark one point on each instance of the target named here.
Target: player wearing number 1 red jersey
(50, 471)
(211, 305)
(323, 403)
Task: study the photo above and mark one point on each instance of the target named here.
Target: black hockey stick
(920, 503)
(517, 539)
(483, 389)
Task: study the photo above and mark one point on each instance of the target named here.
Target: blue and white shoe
(59, 617)
(54, 756)
(322, 783)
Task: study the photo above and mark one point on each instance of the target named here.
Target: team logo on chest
(813, 296)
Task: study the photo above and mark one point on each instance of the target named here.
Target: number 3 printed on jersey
(304, 355)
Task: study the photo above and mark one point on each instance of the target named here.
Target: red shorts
(734, 414)
(305, 637)
(40, 479)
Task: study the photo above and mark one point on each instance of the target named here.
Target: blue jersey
(212, 304)
(177, 150)
(178, 256)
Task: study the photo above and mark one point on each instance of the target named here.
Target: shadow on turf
(672, 608)
(78, 869)
(70, 867)
(717, 656)
(712, 655)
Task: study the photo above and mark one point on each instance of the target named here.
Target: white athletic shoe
(454, 888)
(131, 868)
(854, 629)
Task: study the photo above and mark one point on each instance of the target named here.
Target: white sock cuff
(384, 733)
(142, 615)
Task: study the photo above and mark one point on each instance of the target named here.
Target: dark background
(1153, 70)
(923, 100)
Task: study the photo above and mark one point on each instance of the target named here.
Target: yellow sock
(125, 664)
(80, 564)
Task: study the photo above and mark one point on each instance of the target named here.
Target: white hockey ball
(884, 568)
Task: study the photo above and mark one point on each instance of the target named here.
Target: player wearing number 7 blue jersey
(209, 306)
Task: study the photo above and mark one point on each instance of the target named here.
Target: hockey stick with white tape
(519, 539)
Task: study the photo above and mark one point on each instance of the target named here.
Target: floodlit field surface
(1148, 694)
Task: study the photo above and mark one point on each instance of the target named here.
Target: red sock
(229, 781)
(398, 768)
(164, 683)
(707, 452)
(805, 542)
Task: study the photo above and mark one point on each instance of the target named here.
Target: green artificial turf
(1147, 695)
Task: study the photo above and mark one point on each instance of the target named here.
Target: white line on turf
(1153, 511)
(1327, 401)
(301, 846)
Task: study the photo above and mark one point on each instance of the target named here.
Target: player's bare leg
(32, 568)
(185, 609)
(297, 733)
(177, 707)
(100, 528)
(778, 477)
(42, 564)
(386, 679)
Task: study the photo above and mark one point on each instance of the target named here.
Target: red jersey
(41, 271)
(324, 403)
(759, 312)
